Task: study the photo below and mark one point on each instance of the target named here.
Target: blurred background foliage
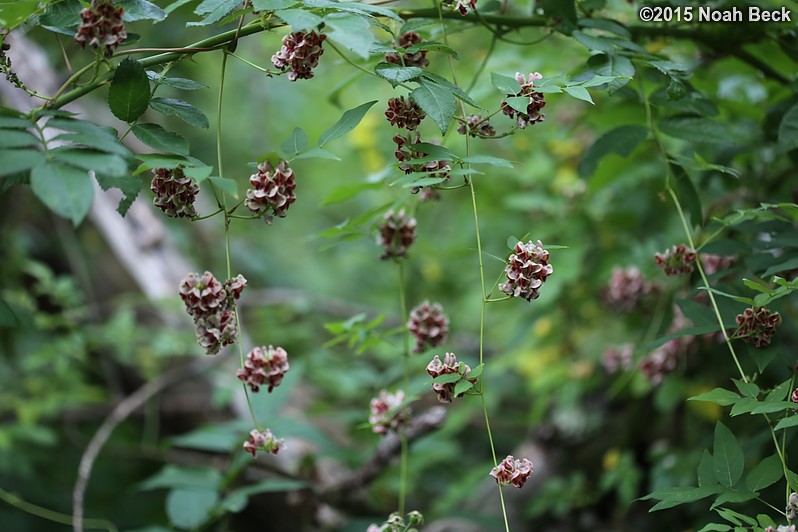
(80, 336)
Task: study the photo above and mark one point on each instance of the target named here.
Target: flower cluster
(263, 441)
(387, 412)
(512, 471)
(397, 232)
(678, 259)
(794, 396)
(476, 126)
(397, 523)
(405, 154)
(264, 366)
(782, 528)
(428, 324)
(617, 358)
(273, 190)
(407, 59)
(212, 306)
(757, 324)
(461, 5)
(665, 358)
(449, 366)
(527, 269)
(174, 192)
(537, 101)
(404, 113)
(299, 54)
(791, 511)
(716, 263)
(626, 288)
(101, 25)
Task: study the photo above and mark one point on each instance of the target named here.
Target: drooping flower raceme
(212, 306)
(678, 259)
(512, 471)
(461, 5)
(101, 25)
(263, 441)
(408, 59)
(174, 192)
(428, 324)
(627, 288)
(532, 110)
(387, 413)
(476, 126)
(272, 191)
(449, 366)
(527, 269)
(397, 232)
(757, 325)
(264, 366)
(404, 113)
(299, 54)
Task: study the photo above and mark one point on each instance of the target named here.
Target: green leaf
(346, 123)
(10, 138)
(766, 473)
(351, 31)
(437, 102)
(562, 11)
(317, 153)
(735, 517)
(190, 508)
(748, 389)
(178, 83)
(129, 185)
(787, 422)
(593, 43)
(130, 91)
(622, 141)
(62, 17)
(296, 143)
(299, 19)
(171, 476)
(733, 496)
(671, 497)
(739, 299)
(487, 159)
(182, 110)
(101, 163)
(82, 126)
(13, 14)
(706, 471)
(788, 130)
(347, 191)
(65, 190)
(160, 139)
(272, 5)
(792, 480)
(505, 84)
(744, 406)
(8, 318)
(462, 387)
(579, 93)
(224, 184)
(157, 160)
(447, 378)
(696, 129)
(436, 152)
(477, 371)
(519, 103)
(14, 122)
(215, 9)
(108, 145)
(424, 182)
(715, 527)
(719, 396)
(619, 67)
(13, 161)
(459, 93)
(141, 10)
(396, 74)
(727, 456)
(688, 195)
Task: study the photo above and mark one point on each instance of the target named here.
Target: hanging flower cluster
(408, 59)
(212, 306)
(665, 358)
(272, 191)
(263, 441)
(527, 269)
(461, 5)
(101, 25)
(757, 325)
(627, 288)
(512, 471)
(449, 366)
(387, 413)
(476, 126)
(299, 54)
(397, 232)
(404, 113)
(428, 324)
(264, 366)
(537, 101)
(174, 192)
(716, 263)
(405, 154)
(678, 259)
(617, 358)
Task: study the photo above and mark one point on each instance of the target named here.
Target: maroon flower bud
(101, 25)
(512, 471)
(461, 5)
(272, 191)
(794, 396)
(404, 113)
(397, 232)
(235, 286)
(429, 325)
(527, 269)
(757, 325)
(174, 192)
(387, 412)
(264, 366)
(537, 101)
(263, 441)
(436, 368)
(678, 259)
(476, 126)
(300, 53)
(202, 295)
(626, 289)
(216, 330)
(415, 59)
